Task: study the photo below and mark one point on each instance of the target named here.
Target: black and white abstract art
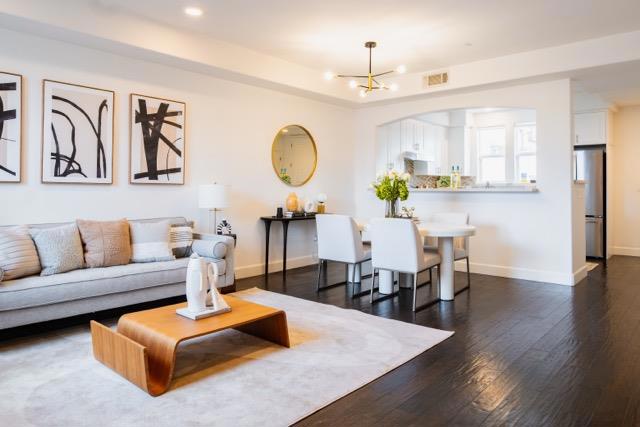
(10, 126)
(77, 145)
(157, 147)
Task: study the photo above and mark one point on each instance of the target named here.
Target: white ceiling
(422, 34)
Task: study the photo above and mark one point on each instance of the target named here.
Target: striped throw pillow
(180, 240)
(18, 254)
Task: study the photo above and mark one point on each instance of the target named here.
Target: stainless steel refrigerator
(591, 167)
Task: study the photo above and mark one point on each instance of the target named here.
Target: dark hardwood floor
(523, 353)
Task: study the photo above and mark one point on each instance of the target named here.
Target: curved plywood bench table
(143, 349)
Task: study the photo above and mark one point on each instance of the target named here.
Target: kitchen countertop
(524, 188)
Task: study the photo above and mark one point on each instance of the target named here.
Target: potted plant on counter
(392, 187)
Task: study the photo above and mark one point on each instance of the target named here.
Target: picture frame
(77, 134)
(10, 127)
(157, 140)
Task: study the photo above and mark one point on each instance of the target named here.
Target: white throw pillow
(150, 241)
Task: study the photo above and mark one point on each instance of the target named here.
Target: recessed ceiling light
(193, 11)
(328, 75)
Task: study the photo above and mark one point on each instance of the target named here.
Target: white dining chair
(397, 246)
(461, 244)
(339, 241)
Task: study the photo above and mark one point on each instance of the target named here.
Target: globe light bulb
(394, 87)
(328, 75)
(401, 69)
(363, 93)
(353, 84)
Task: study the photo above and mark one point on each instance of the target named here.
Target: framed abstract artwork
(77, 134)
(157, 146)
(10, 126)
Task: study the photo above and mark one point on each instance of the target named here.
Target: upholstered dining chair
(461, 244)
(397, 246)
(339, 241)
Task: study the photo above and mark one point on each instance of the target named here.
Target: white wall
(625, 182)
(525, 235)
(230, 127)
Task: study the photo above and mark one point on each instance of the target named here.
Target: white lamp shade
(213, 196)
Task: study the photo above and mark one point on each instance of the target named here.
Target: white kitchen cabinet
(590, 128)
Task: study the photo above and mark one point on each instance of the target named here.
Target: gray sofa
(41, 298)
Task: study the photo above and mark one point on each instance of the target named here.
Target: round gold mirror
(293, 155)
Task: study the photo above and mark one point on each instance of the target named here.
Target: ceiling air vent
(436, 79)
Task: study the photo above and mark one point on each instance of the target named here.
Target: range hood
(412, 155)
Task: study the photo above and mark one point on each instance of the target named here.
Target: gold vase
(320, 208)
(292, 202)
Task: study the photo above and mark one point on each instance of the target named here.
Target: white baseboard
(624, 250)
(258, 269)
(580, 274)
(520, 273)
(488, 269)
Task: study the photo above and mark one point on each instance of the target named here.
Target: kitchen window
(492, 143)
(525, 151)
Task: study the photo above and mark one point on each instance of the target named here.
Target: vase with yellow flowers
(392, 187)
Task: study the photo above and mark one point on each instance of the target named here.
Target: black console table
(285, 228)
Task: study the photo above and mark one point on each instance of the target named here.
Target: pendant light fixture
(369, 82)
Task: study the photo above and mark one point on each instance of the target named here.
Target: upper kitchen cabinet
(590, 128)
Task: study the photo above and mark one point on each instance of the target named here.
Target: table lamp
(213, 197)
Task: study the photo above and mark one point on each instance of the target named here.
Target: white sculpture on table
(202, 277)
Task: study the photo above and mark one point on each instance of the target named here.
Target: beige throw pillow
(59, 249)
(106, 243)
(18, 255)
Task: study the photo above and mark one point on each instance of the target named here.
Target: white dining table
(445, 233)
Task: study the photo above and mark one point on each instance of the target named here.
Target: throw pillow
(181, 238)
(106, 243)
(18, 255)
(150, 241)
(59, 248)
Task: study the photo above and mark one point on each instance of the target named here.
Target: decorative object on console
(293, 155)
(213, 197)
(371, 82)
(181, 239)
(77, 137)
(224, 227)
(309, 206)
(18, 255)
(59, 249)
(392, 187)
(292, 202)
(106, 243)
(322, 199)
(157, 147)
(150, 241)
(10, 126)
(202, 276)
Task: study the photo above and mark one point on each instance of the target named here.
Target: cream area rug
(225, 379)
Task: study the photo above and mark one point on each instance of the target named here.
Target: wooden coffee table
(143, 349)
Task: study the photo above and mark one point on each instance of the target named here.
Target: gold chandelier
(371, 81)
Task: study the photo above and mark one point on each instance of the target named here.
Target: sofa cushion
(36, 291)
(150, 241)
(59, 249)
(106, 243)
(18, 255)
